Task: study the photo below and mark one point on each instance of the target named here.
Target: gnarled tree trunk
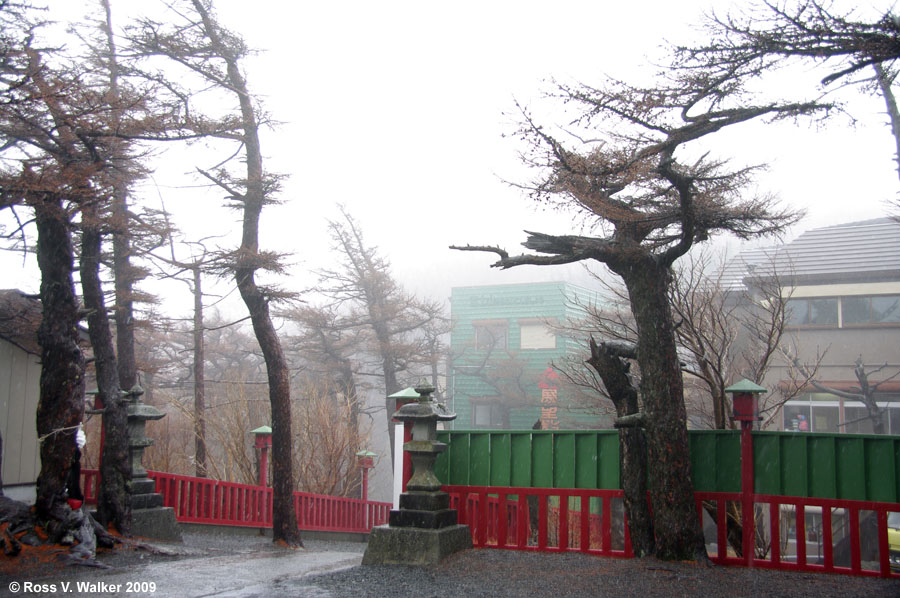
(679, 535)
(61, 404)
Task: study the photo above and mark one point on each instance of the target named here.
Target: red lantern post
(745, 409)
(366, 462)
(263, 443)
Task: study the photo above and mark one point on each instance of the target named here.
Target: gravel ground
(489, 572)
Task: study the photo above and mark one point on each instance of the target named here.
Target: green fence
(841, 466)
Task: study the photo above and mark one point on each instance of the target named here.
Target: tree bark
(679, 535)
(61, 404)
(284, 519)
(632, 447)
(199, 374)
(114, 500)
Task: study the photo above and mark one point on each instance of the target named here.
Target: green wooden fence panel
(703, 462)
(520, 453)
(794, 479)
(586, 459)
(501, 459)
(822, 459)
(608, 460)
(542, 460)
(728, 462)
(564, 460)
(846, 466)
(767, 464)
(480, 459)
(458, 461)
(881, 471)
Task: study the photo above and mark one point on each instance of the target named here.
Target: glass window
(537, 335)
(796, 417)
(823, 311)
(855, 310)
(490, 336)
(487, 415)
(826, 419)
(813, 312)
(797, 311)
(886, 308)
(858, 421)
(894, 420)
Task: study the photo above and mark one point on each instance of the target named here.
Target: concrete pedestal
(149, 518)
(415, 546)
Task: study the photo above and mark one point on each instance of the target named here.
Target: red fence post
(748, 532)
(745, 409)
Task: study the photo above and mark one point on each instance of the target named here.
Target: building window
(812, 312)
(488, 414)
(824, 412)
(870, 310)
(491, 335)
(536, 335)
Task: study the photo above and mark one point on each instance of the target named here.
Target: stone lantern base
(414, 545)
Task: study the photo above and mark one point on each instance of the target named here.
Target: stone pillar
(424, 530)
(149, 518)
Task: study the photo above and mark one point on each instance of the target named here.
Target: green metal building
(502, 343)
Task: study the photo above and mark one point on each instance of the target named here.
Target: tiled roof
(856, 251)
(20, 317)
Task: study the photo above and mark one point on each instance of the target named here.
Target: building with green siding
(504, 340)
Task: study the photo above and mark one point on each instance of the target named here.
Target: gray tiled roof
(855, 251)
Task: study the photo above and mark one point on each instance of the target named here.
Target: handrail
(202, 500)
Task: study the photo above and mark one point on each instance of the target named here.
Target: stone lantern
(149, 517)
(424, 530)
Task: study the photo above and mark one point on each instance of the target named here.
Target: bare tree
(866, 391)
(214, 54)
(657, 206)
(376, 303)
(771, 34)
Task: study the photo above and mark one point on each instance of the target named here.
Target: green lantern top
(746, 386)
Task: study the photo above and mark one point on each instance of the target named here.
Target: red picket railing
(836, 536)
(849, 537)
(545, 519)
(201, 500)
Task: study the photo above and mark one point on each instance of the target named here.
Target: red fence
(201, 500)
(837, 536)
(547, 519)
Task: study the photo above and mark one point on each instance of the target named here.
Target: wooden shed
(20, 371)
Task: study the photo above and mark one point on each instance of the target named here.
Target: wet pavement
(204, 565)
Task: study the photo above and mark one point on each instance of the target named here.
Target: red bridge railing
(201, 500)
